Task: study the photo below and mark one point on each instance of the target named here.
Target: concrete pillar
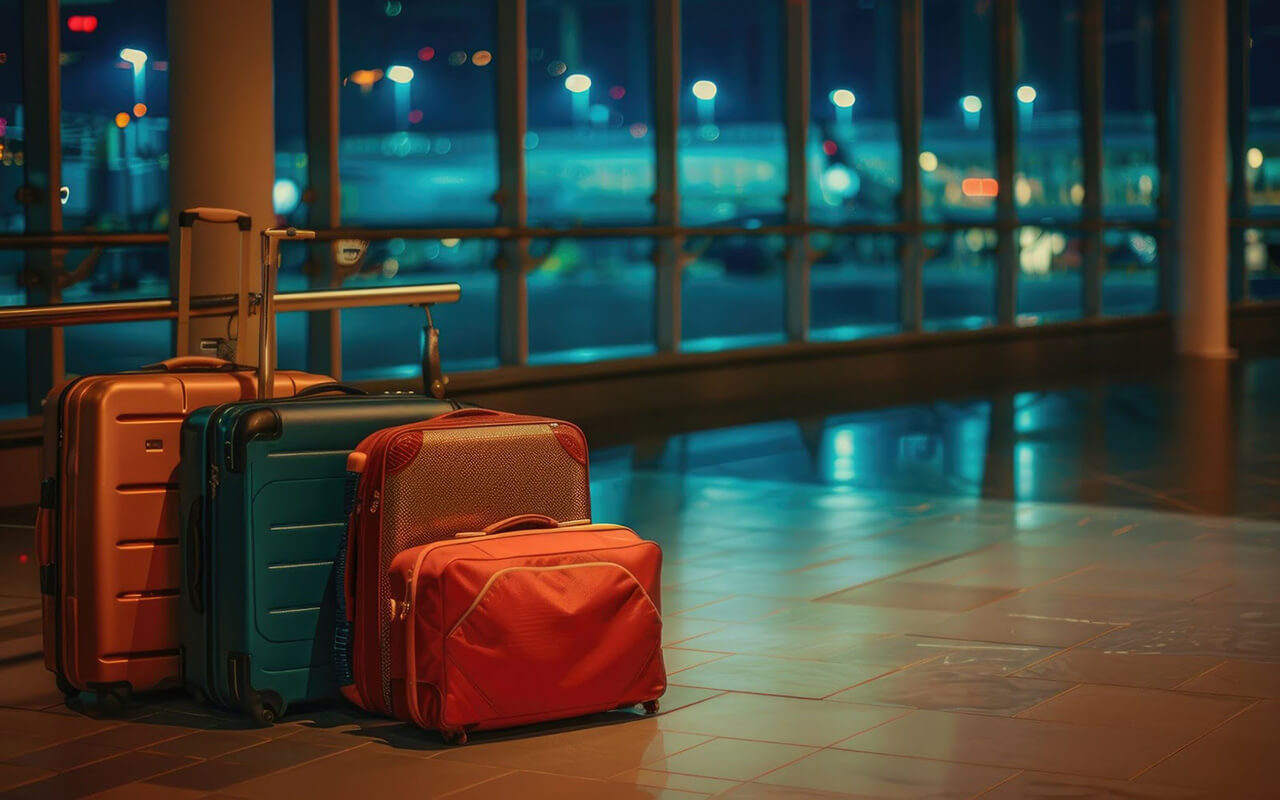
(221, 141)
(1201, 202)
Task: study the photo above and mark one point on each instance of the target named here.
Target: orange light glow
(139, 109)
(980, 187)
(366, 77)
(122, 119)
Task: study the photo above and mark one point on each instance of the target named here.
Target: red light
(980, 187)
(829, 147)
(415, 116)
(426, 54)
(82, 23)
(618, 92)
(22, 559)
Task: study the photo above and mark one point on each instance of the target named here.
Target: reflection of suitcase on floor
(425, 482)
(263, 512)
(524, 622)
(107, 531)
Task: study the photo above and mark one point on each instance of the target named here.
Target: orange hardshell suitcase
(423, 482)
(526, 621)
(107, 527)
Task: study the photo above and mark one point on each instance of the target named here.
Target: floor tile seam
(986, 764)
(916, 568)
(195, 760)
(1068, 649)
(1155, 494)
(1037, 704)
(814, 698)
(111, 727)
(504, 773)
(52, 773)
(1016, 774)
(117, 751)
(812, 751)
(1192, 741)
(892, 671)
(795, 658)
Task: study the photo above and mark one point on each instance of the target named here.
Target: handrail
(223, 305)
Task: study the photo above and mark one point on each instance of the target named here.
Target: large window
(855, 170)
(594, 274)
(11, 127)
(589, 147)
(1130, 172)
(115, 117)
(958, 149)
(418, 108)
(732, 144)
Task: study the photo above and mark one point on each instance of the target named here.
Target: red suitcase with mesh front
(526, 621)
(420, 483)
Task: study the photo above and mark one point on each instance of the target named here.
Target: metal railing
(222, 305)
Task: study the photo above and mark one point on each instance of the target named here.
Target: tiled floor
(1059, 594)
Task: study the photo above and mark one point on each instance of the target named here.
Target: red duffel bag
(523, 622)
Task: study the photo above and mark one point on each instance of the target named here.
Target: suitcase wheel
(111, 700)
(64, 686)
(651, 707)
(454, 737)
(197, 695)
(264, 708)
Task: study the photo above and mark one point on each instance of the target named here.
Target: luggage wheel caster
(264, 708)
(111, 699)
(454, 737)
(197, 694)
(651, 707)
(68, 691)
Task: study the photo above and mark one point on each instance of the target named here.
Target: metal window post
(42, 103)
(1165, 108)
(1238, 142)
(324, 328)
(796, 98)
(513, 260)
(668, 253)
(910, 113)
(1092, 70)
(1006, 74)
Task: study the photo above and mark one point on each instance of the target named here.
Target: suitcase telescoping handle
(215, 216)
(271, 238)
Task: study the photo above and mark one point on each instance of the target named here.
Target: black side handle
(323, 388)
(195, 556)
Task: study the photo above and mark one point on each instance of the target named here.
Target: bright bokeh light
(139, 109)
(366, 77)
(285, 196)
(704, 90)
(135, 57)
(928, 161)
(577, 83)
(829, 147)
(1026, 94)
(481, 58)
(838, 179)
(980, 187)
(122, 119)
(82, 23)
(843, 98)
(617, 92)
(415, 116)
(399, 74)
(971, 103)
(1254, 157)
(426, 54)
(638, 130)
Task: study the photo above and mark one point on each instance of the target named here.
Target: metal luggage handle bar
(60, 314)
(271, 238)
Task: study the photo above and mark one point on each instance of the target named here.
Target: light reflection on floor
(1038, 594)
